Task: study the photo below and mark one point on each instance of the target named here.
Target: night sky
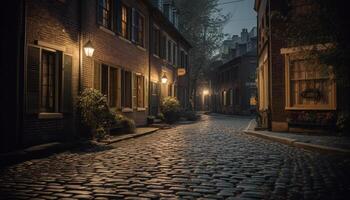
(243, 15)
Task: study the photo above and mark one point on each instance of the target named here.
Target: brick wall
(55, 23)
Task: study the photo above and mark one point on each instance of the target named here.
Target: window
(309, 85)
(223, 98)
(163, 47)
(174, 54)
(169, 51)
(170, 89)
(105, 15)
(126, 89)
(106, 80)
(124, 22)
(166, 8)
(182, 59)
(156, 41)
(49, 82)
(138, 27)
(140, 99)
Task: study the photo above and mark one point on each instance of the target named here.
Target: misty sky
(242, 15)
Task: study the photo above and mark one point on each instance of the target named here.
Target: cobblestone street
(210, 159)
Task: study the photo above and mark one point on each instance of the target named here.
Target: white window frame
(288, 53)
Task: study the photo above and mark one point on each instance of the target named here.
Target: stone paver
(211, 159)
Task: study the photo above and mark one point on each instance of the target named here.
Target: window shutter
(146, 88)
(99, 11)
(97, 75)
(134, 90)
(33, 70)
(67, 84)
(133, 22)
(118, 14)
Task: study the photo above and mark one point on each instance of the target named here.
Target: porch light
(89, 49)
(164, 79)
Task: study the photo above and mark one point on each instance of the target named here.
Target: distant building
(239, 45)
(233, 86)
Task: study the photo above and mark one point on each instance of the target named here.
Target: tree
(201, 23)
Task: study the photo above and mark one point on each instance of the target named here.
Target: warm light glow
(164, 79)
(89, 49)
(205, 92)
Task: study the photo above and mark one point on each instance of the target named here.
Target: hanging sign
(181, 71)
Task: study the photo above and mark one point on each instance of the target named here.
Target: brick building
(127, 38)
(233, 87)
(293, 95)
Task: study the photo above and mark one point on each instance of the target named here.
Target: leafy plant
(94, 111)
(127, 125)
(190, 115)
(343, 122)
(170, 107)
(150, 119)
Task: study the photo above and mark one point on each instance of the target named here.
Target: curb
(127, 137)
(295, 143)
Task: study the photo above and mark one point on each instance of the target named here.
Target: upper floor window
(138, 28)
(124, 21)
(169, 51)
(105, 13)
(156, 41)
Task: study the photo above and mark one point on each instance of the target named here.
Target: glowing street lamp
(205, 92)
(164, 79)
(89, 49)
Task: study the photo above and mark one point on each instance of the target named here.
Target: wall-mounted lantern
(205, 92)
(164, 79)
(89, 49)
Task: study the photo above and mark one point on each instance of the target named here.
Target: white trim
(49, 45)
(317, 47)
(127, 110)
(106, 30)
(140, 47)
(141, 109)
(124, 39)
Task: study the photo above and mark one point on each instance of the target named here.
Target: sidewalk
(319, 143)
(138, 132)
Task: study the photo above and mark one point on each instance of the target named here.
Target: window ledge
(127, 110)
(154, 55)
(141, 109)
(106, 30)
(310, 108)
(50, 116)
(124, 39)
(140, 47)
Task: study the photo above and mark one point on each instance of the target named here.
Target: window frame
(110, 12)
(108, 95)
(125, 35)
(293, 54)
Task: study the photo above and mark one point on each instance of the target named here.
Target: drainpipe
(150, 26)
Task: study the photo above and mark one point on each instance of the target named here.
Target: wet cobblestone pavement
(210, 159)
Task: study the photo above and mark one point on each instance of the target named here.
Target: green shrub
(160, 116)
(343, 122)
(100, 133)
(126, 125)
(189, 115)
(150, 119)
(170, 107)
(94, 111)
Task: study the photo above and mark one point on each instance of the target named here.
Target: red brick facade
(57, 69)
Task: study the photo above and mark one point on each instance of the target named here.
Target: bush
(170, 107)
(343, 122)
(189, 115)
(94, 111)
(160, 116)
(127, 125)
(150, 119)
